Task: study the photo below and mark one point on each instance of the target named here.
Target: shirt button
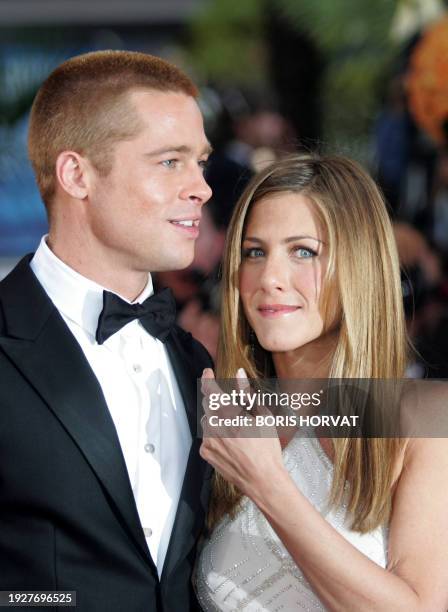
(150, 448)
(137, 368)
(147, 531)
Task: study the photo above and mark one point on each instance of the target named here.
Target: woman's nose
(274, 274)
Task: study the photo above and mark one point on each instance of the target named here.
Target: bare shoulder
(429, 453)
(424, 409)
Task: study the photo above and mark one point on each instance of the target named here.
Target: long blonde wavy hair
(372, 342)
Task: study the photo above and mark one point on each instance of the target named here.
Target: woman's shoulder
(424, 410)
(424, 425)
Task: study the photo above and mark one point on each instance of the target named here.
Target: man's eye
(203, 164)
(169, 163)
(305, 253)
(253, 253)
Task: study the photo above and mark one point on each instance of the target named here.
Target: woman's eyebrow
(285, 240)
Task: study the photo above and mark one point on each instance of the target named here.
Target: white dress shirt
(141, 392)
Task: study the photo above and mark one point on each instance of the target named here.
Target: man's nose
(198, 190)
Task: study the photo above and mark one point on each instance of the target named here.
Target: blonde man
(101, 484)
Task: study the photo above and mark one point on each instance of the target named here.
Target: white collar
(75, 296)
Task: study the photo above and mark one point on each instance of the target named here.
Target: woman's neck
(313, 360)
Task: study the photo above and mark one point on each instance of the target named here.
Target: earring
(252, 339)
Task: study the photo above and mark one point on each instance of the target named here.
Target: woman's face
(284, 259)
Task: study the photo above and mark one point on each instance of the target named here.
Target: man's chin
(174, 266)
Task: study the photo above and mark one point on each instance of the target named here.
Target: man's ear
(72, 174)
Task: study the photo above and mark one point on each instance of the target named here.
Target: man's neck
(101, 268)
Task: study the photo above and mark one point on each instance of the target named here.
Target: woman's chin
(278, 345)
(286, 343)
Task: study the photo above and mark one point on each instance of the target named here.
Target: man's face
(144, 215)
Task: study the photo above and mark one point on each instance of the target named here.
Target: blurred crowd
(413, 174)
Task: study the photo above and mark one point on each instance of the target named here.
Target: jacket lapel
(193, 498)
(43, 349)
(177, 345)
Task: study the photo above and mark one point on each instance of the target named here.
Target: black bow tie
(157, 315)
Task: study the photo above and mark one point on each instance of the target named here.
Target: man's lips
(187, 225)
(186, 221)
(276, 310)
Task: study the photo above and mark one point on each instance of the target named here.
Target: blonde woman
(311, 279)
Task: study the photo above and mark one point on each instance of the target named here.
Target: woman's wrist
(269, 487)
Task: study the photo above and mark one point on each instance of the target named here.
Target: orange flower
(427, 81)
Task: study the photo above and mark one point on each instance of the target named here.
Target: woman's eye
(305, 253)
(253, 253)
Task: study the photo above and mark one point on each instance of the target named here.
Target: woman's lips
(270, 311)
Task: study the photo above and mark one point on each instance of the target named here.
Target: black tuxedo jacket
(68, 519)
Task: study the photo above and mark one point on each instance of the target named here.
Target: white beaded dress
(244, 565)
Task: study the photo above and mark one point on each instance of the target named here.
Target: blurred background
(356, 77)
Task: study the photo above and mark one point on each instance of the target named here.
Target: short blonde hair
(84, 106)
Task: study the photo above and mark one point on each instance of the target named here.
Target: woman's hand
(250, 463)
